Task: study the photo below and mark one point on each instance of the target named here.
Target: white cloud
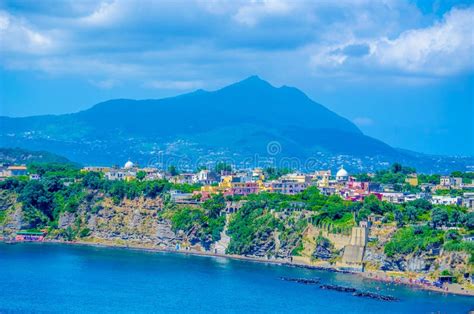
(250, 14)
(445, 48)
(18, 36)
(105, 14)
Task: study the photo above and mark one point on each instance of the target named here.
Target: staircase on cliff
(221, 246)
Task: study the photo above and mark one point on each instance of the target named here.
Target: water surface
(53, 278)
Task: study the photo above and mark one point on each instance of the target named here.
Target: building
(445, 181)
(257, 174)
(95, 169)
(468, 200)
(243, 188)
(322, 177)
(180, 197)
(296, 177)
(206, 177)
(17, 170)
(412, 179)
(129, 165)
(115, 174)
(396, 198)
(29, 236)
(35, 176)
(446, 200)
(184, 178)
(288, 187)
(342, 175)
(448, 181)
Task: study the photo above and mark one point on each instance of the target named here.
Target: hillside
(23, 156)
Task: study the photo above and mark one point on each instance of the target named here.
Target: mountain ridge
(236, 121)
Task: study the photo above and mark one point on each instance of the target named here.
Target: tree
(215, 205)
(141, 175)
(439, 217)
(37, 196)
(222, 166)
(92, 180)
(396, 167)
(373, 204)
(399, 218)
(470, 220)
(412, 213)
(172, 170)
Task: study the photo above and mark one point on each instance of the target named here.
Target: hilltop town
(398, 186)
(394, 224)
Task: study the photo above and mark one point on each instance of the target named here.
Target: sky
(402, 71)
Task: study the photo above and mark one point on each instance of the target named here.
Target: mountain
(23, 156)
(248, 122)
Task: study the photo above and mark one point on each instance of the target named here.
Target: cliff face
(131, 222)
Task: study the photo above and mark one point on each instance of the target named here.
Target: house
(288, 187)
(184, 178)
(119, 174)
(35, 176)
(322, 177)
(468, 200)
(445, 181)
(448, 181)
(257, 174)
(95, 169)
(206, 177)
(392, 197)
(296, 177)
(180, 197)
(17, 170)
(412, 179)
(243, 188)
(446, 200)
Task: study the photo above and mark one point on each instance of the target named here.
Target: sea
(59, 278)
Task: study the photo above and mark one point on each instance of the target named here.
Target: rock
(394, 265)
(417, 264)
(301, 280)
(374, 296)
(338, 288)
(66, 219)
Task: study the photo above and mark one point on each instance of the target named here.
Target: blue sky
(401, 70)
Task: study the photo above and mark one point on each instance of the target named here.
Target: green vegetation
(222, 166)
(252, 224)
(274, 173)
(23, 156)
(204, 223)
(410, 240)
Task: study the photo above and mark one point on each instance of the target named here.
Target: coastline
(369, 275)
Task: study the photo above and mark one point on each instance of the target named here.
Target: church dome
(128, 165)
(342, 173)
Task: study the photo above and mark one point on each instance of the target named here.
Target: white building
(342, 175)
(445, 200)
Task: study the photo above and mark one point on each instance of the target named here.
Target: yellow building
(226, 182)
(412, 179)
(210, 189)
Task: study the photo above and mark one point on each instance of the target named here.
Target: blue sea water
(54, 278)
